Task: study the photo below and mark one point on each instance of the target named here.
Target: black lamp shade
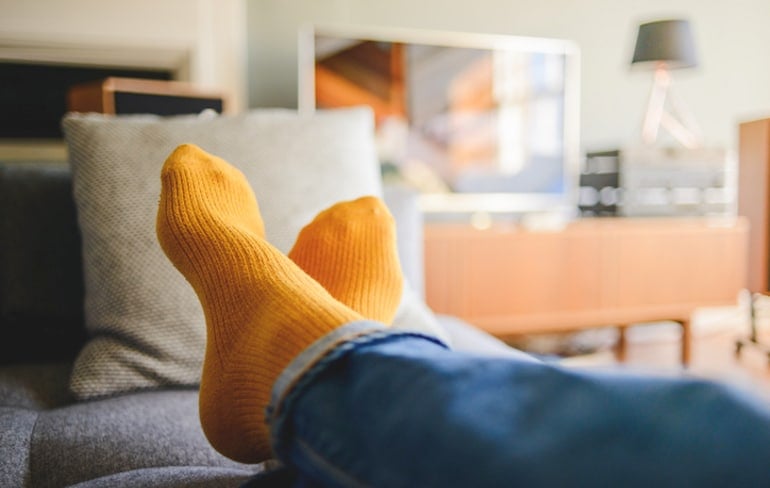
(665, 41)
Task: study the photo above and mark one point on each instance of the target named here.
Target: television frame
(514, 204)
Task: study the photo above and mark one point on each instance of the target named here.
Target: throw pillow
(146, 324)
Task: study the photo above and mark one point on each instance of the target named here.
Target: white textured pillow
(146, 323)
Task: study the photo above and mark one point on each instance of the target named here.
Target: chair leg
(753, 338)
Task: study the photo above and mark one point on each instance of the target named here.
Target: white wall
(732, 83)
(203, 40)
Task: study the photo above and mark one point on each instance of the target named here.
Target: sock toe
(350, 249)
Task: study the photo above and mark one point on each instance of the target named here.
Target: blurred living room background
(248, 51)
(248, 48)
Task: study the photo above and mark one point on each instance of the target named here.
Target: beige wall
(731, 84)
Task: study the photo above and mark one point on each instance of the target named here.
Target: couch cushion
(16, 427)
(147, 323)
(173, 477)
(41, 280)
(89, 440)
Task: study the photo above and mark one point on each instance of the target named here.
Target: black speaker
(141, 96)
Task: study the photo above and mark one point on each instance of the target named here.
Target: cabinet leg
(621, 348)
(686, 342)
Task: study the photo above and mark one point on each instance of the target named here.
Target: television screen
(477, 122)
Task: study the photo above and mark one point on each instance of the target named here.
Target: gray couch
(148, 438)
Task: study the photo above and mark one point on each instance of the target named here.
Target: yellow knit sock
(261, 309)
(350, 249)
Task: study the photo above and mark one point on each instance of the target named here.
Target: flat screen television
(478, 122)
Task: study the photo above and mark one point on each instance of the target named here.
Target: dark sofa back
(41, 276)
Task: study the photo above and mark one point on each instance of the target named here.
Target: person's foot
(261, 309)
(350, 249)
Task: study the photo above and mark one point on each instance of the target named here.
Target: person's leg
(261, 309)
(404, 412)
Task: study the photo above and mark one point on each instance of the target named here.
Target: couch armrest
(403, 203)
(465, 337)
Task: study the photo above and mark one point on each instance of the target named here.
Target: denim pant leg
(399, 410)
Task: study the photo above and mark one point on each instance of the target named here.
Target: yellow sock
(350, 249)
(261, 309)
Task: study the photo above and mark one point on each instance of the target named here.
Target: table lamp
(666, 45)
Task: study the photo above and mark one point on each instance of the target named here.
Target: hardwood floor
(713, 356)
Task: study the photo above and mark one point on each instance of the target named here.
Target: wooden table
(592, 273)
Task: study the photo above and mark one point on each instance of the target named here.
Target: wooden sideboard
(592, 273)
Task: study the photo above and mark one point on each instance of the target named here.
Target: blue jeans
(369, 407)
